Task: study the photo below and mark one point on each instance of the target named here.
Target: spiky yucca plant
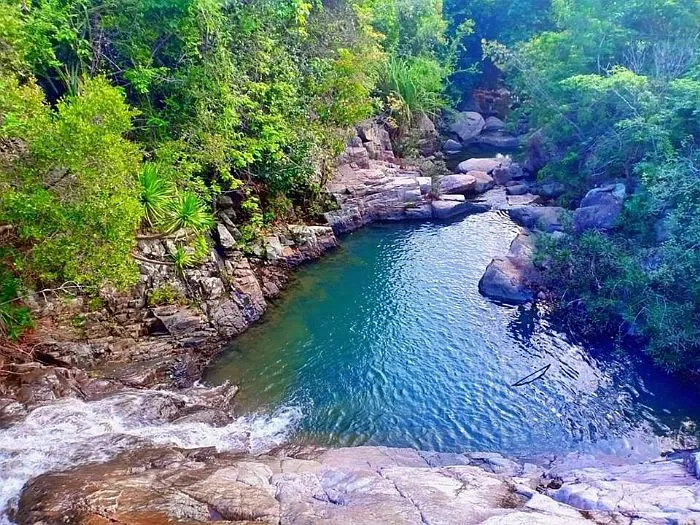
(156, 194)
(188, 212)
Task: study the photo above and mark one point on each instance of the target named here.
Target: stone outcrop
(545, 218)
(659, 491)
(362, 486)
(511, 279)
(470, 127)
(375, 139)
(385, 191)
(162, 331)
(600, 208)
(467, 125)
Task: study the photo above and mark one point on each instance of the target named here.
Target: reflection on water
(389, 342)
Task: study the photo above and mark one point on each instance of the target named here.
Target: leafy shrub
(156, 194)
(188, 212)
(73, 200)
(165, 295)
(15, 318)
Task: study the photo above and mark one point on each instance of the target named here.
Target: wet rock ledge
(361, 485)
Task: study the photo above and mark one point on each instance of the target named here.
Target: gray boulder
(467, 125)
(226, 240)
(494, 124)
(600, 208)
(545, 218)
(484, 181)
(451, 146)
(178, 320)
(485, 165)
(450, 207)
(510, 279)
(457, 183)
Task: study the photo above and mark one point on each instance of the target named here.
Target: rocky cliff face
(86, 348)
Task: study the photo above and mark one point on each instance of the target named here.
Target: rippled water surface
(389, 342)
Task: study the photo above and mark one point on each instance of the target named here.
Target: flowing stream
(70, 432)
(389, 342)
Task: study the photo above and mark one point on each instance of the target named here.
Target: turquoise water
(388, 341)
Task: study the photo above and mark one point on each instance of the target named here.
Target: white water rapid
(71, 432)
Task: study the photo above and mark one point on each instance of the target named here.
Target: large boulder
(545, 218)
(452, 147)
(498, 140)
(448, 207)
(494, 124)
(537, 154)
(351, 486)
(485, 165)
(457, 183)
(511, 279)
(467, 125)
(484, 181)
(600, 208)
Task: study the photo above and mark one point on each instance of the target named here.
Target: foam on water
(71, 432)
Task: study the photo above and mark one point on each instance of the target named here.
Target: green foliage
(251, 96)
(190, 255)
(72, 197)
(165, 295)
(414, 86)
(15, 318)
(189, 213)
(614, 88)
(156, 194)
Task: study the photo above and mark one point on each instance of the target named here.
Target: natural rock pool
(389, 342)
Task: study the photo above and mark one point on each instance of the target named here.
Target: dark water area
(388, 342)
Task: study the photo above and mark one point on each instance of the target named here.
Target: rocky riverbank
(361, 485)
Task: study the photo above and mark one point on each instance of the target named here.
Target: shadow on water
(388, 341)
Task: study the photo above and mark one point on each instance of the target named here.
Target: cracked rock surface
(362, 485)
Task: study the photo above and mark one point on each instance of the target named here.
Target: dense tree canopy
(125, 115)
